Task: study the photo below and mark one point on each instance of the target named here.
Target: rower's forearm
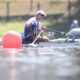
(30, 30)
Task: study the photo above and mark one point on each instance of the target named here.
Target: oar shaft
(27, 36)
(37, 37)
(54, 30)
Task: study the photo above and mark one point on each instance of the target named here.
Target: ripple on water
(44, 63)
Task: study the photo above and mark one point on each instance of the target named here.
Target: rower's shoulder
(32, 19)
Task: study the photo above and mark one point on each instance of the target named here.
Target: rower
(74, 24)
(74, 31)
(32, 26)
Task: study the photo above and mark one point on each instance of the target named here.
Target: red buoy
(11, 39)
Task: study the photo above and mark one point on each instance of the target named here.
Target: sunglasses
(42, 15)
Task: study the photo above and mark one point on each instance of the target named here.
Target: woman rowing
(74, 24)
(33, 26)
(74, 30)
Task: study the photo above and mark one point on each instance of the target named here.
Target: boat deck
(57, 43)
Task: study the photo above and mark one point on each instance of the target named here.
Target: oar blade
(32, 45)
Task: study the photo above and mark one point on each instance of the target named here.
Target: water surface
(42, 63)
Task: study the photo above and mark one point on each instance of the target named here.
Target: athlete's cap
(41, 12)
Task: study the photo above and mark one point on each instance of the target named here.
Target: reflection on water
(47, 63)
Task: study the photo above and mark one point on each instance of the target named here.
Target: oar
(27, 36)
(23, 38)
(63, 33)
(33, 43)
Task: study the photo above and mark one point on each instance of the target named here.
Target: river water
(42, 63)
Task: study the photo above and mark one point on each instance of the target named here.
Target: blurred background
(60, 13)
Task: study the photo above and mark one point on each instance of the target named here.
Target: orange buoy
(11, 39)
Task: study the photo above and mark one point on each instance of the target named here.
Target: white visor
(41, 12)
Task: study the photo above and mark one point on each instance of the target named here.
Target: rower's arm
(40, 30)
(29, 28)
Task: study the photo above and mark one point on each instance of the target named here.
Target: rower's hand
(44, 28)
(42, 31)
(31, 33)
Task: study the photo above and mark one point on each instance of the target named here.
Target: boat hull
(58, 43)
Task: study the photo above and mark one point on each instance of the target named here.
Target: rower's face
(40, 17)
